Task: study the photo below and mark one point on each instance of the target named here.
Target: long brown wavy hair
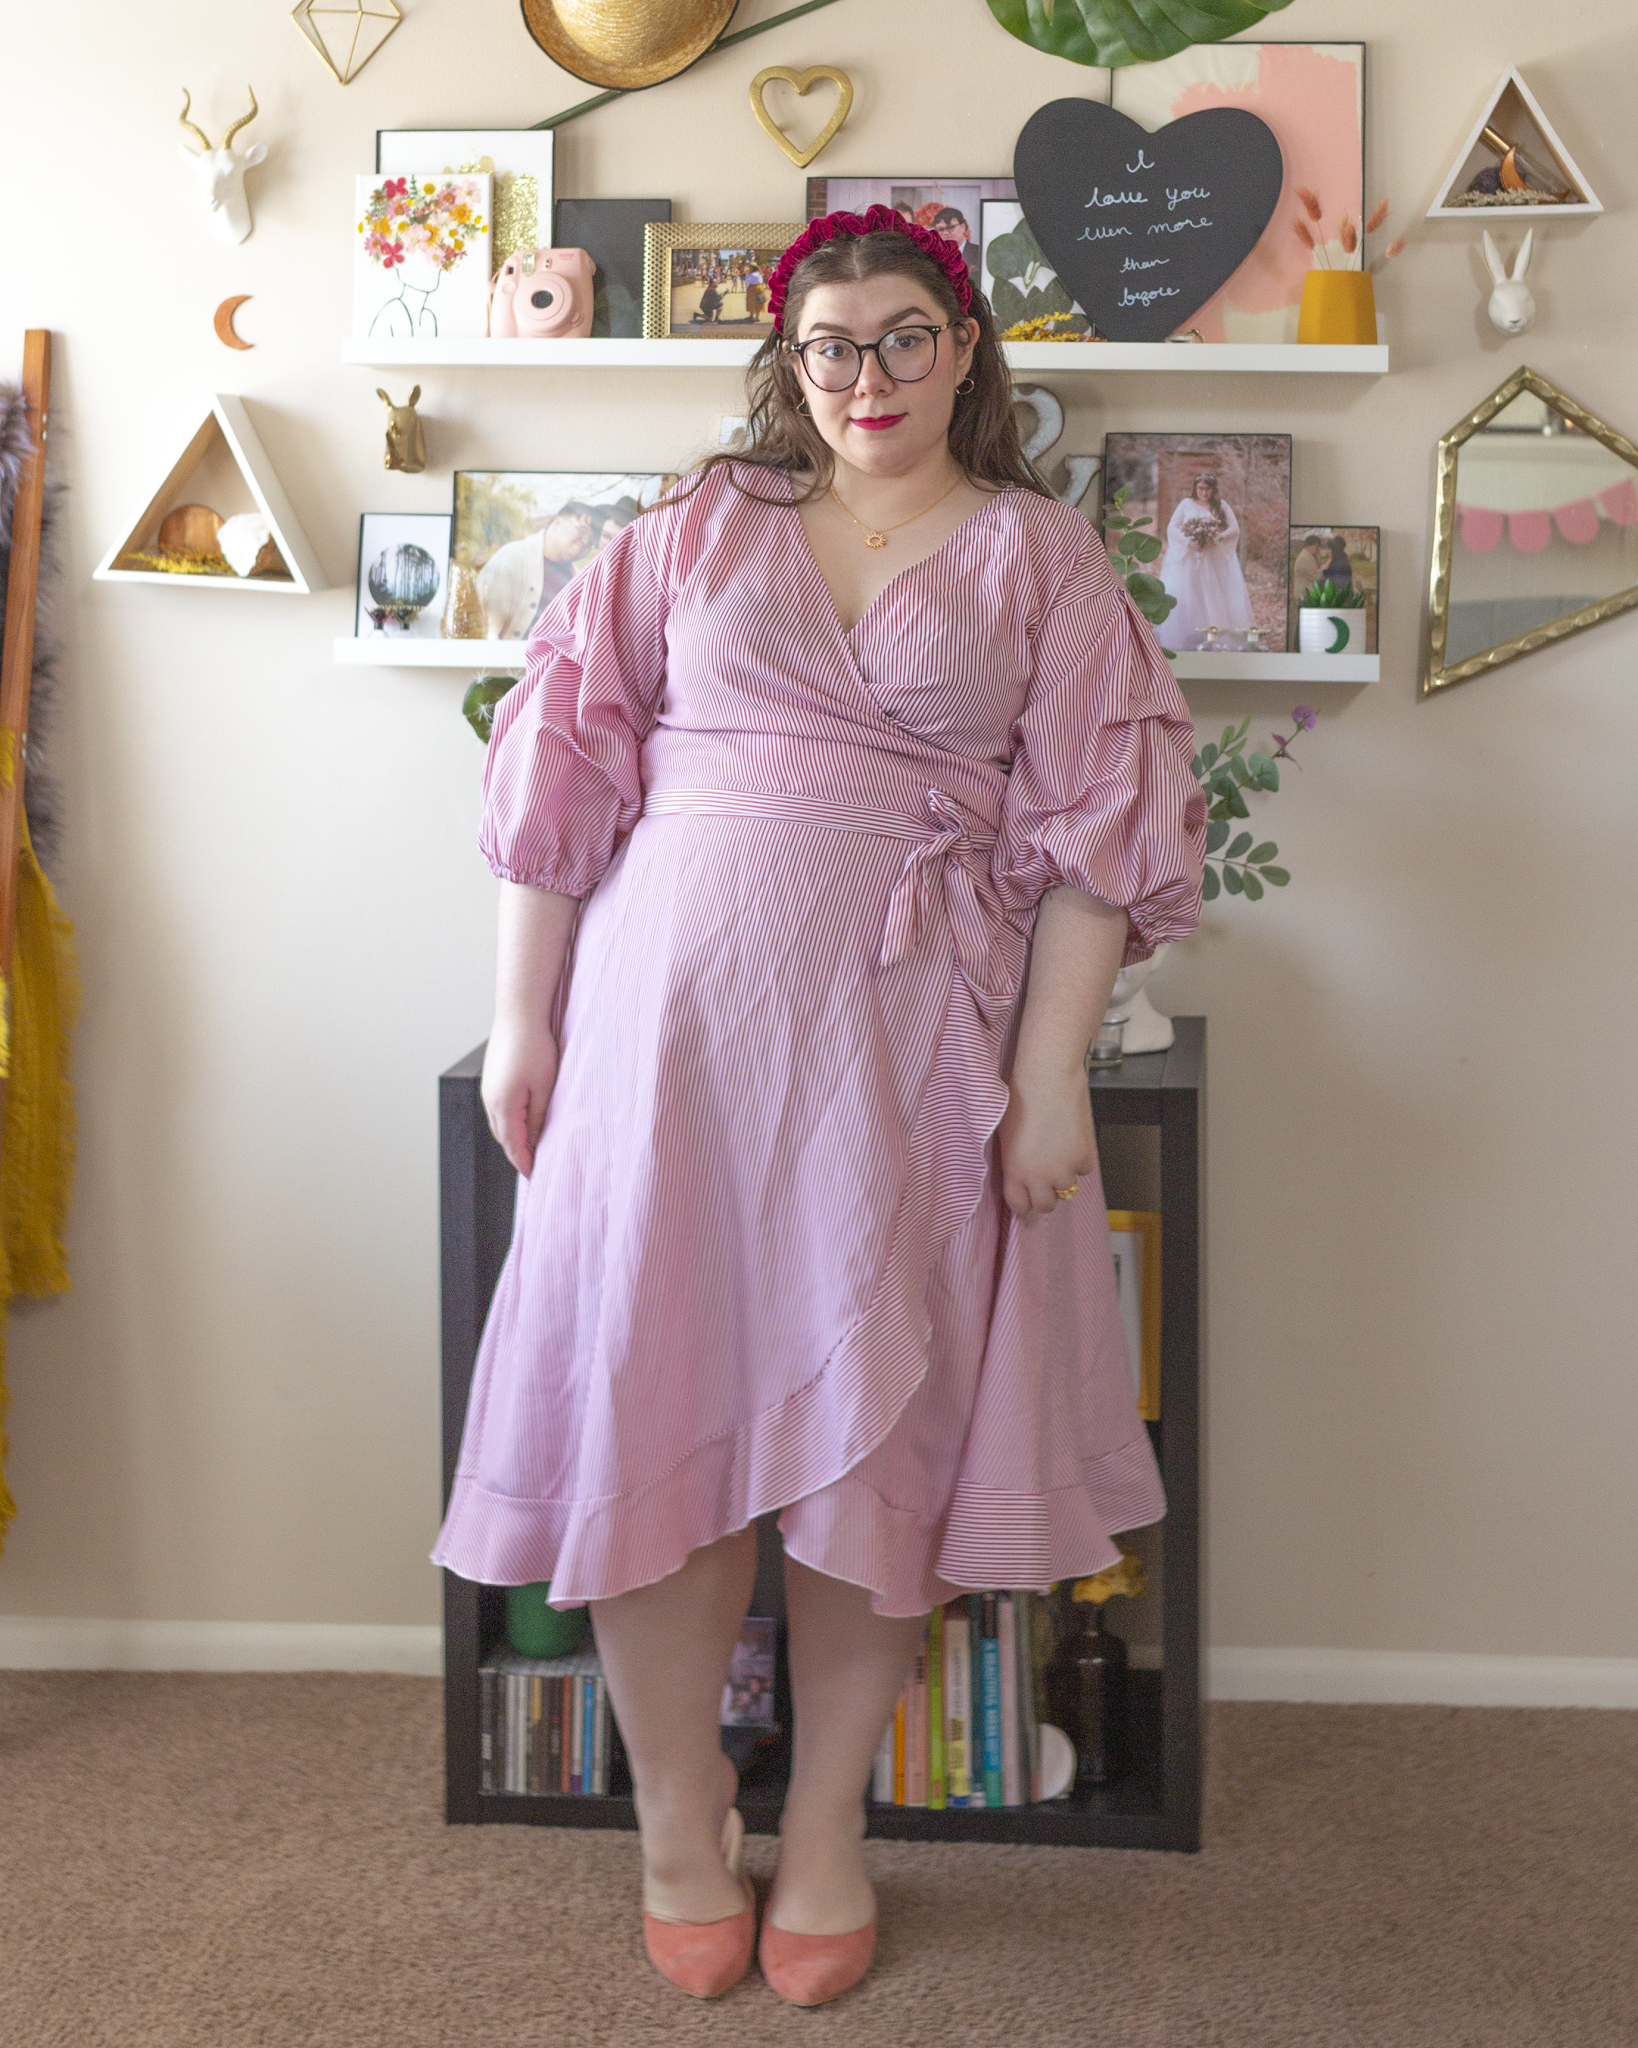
(782, 436)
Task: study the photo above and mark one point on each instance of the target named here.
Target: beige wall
(1422, 1126)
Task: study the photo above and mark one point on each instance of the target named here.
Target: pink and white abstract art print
(1313, 97)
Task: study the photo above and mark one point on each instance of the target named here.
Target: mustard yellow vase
(1339, 308)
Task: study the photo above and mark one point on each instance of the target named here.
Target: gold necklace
(876, 536)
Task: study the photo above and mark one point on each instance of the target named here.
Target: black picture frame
(611, 233)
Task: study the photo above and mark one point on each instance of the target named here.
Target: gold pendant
(875, 540)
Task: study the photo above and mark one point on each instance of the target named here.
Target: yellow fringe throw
(37, 1135)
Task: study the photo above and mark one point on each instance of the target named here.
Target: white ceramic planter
(1324, 631)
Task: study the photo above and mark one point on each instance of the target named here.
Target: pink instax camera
(541, 294)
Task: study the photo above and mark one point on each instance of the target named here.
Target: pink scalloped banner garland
(1531, 531)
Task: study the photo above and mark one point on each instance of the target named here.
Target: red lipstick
(875, 422)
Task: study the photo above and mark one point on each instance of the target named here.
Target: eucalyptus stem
(722, 43)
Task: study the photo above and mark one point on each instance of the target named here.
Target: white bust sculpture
(1146, 1029)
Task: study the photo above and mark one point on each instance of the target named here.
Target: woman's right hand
(519, 1070)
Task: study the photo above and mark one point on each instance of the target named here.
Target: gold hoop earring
(967, 384)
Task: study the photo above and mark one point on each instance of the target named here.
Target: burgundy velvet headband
(879, 220)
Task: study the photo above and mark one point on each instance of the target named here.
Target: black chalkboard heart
(1141, 226)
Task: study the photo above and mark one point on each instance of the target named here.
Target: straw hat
(626, 43)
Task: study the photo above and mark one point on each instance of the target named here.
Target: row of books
(544, 1724)
(965, 1731)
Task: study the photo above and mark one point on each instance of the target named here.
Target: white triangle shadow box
(224, 467)
(1515, 114)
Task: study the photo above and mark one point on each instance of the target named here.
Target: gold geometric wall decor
(346, 33)
(1535, 530)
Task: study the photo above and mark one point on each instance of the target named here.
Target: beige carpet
(204, 1862)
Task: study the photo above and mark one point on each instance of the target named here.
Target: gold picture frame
(1436, 674)
(763, 241)
(1143, 1226)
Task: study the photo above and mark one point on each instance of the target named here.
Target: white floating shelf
(1278, 668)
(620, 352)
(383, 652)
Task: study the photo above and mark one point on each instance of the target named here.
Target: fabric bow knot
(952, 865)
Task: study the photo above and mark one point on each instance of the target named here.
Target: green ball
(537, 1630)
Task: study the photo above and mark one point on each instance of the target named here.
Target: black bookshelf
(1155, 1803)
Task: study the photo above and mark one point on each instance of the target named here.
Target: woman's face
(1202, 492)
(877, 425)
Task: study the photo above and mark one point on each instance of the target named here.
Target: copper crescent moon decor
(224, 322)
(800, 82)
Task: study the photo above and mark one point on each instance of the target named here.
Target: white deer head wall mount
(221, 173)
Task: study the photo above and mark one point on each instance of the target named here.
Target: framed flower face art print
(421, 257)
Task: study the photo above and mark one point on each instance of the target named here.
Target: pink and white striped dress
(763, 1260)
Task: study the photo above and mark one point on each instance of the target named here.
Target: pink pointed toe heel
(707, 1960)
(812, 1969)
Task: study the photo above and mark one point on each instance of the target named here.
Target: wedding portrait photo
(1220, 505)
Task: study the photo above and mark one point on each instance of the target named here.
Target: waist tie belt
(949, 863)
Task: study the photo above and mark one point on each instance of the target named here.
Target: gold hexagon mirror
(1535, 530)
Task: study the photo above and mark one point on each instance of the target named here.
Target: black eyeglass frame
(862, 349)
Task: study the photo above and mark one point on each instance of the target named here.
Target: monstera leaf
(1117, 32)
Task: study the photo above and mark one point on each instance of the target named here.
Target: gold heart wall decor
(800, 82)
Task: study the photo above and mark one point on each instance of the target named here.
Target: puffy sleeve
(1101, 795)
(562, 783)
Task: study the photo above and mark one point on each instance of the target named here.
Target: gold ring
(1064, 1194)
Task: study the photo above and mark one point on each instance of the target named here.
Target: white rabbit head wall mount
(1512, 309)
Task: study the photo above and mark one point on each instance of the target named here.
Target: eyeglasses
(907, 354)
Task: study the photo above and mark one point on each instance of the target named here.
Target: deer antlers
(243, 121)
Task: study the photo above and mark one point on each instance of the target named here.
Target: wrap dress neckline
(949, 540)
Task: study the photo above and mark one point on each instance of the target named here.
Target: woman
(799, 768)
(1201, 568)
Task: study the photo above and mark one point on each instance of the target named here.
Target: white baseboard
(1421, 1678)
(49, 1643)
(1336, 1677)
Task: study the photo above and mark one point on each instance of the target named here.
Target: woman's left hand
(1046, 1142)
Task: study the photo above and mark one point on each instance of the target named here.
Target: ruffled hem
(907, 1562)
(911, 1563)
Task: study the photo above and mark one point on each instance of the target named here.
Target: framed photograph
(1312, 95)
(611, 233)
(1220, 505)
(710, 278)
(1347, 555)
(421, 257)
(953, 206)
(403, 569)
(526, 534)
(748, 1697)
(1134, 1238)
(517, 160)
(1015, 277)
